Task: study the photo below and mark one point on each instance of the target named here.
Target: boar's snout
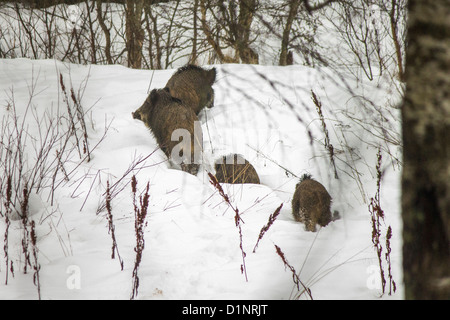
(136, 115)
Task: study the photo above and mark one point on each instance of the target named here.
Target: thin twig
(295, 277)
(111, 227)
(140, 214)
(36, 266)
(237, 220)
(264, 229)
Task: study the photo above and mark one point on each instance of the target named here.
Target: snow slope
(191, 241)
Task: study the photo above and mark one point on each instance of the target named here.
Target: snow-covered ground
(192, 245)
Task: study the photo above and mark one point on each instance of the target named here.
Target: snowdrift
(192, 245)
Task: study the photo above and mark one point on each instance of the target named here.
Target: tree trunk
(395, 39)
(134, 32)
(236, 27)
(293, 9)
(210, 36)
(246, 12)
(101, 22)
(193, 58)
(154, 38)
(426, 171)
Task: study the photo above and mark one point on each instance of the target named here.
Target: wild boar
(169, 119)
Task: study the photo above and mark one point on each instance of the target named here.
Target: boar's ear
(305, 176)
(154, 96)
(176, 100)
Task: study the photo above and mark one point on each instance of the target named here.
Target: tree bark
(101, 22)
(47, 3)
(134, 32)
(236, 27)
(193, 58)
(293, 9)
(247, 10)
(210, 37)
(426, 165)
(395, 39)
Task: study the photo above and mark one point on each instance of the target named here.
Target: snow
(191, 240)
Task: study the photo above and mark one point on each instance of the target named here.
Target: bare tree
(397, 20)
(154, 38)
(134, 33)
(373, 34)
(106, 31)
(293, 8)
(232, 27)
(242, 31)
(194, 53)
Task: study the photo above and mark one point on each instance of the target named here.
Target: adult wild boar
(193, 86)
(169, 119)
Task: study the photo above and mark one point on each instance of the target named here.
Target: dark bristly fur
(235, 169)
(163, 114)
(193, 86)
(311, 203)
